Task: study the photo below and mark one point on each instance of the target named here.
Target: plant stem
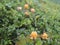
(34, 42)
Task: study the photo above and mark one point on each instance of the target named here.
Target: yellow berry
(33, 35)
(19, 8)
(32, 10)
(27, 13)
(44, 36)
(26, 6)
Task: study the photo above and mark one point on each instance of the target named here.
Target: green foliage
(14, 23)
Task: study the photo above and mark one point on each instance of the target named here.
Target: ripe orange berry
(32, 10)
(33, 35)
(19, 8)
(26, 6)
(27, 13)
(44, 36)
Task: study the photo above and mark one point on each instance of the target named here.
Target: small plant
(33, 36)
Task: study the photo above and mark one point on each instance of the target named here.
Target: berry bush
(29, 22)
